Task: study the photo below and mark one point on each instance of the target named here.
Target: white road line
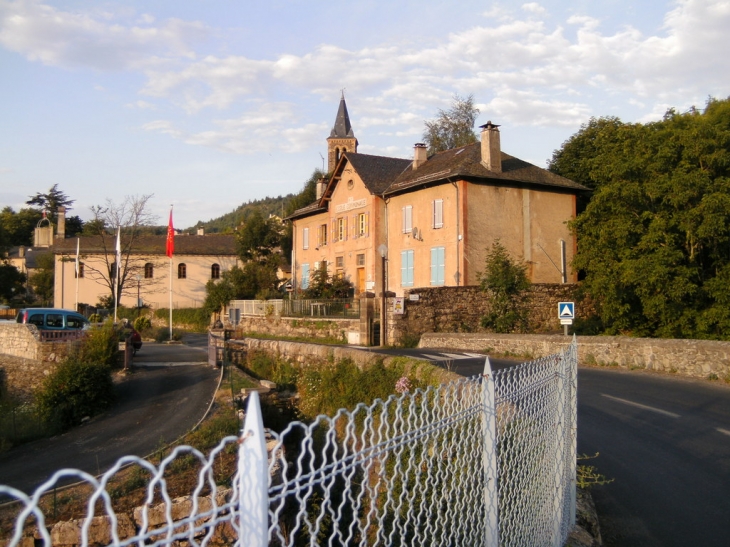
(454, 355)
(432, 357)
(639, 405)
(723, 431)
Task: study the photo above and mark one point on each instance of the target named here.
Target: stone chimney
(21, 251)
(321, 185)
(420, 155)
(61, 223)
(491, 149)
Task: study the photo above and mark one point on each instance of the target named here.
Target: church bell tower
(342, 138)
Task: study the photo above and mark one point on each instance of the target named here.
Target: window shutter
(438, 213)
(344, 228)
(367, 224)
(334, 231)
(354, 227)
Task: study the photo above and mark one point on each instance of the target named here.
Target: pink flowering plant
(403, 385)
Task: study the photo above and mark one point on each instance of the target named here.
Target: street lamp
(139, 300)
(383, 250)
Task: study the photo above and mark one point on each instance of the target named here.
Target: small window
(149, 271)
(75, 321)
(80, 273)
(438, 213)
(407, 219)
(113, 270)
(36, 319)
(215, 271)
(322, 237)
(54, 320)
(361, 259)
(305, 238)
(339, 262)
(342, 228)
(182, 271)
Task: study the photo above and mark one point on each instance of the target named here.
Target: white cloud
(73, 39)
(141, 105)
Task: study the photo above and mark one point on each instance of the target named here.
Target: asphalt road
(666, 442)
(160, 401)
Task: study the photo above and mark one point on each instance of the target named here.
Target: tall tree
(51, 200)
(132, 215)
(11, 282)
(306, 196)
(259, 237)
(452, 128)
(654, 241)
(18, 227)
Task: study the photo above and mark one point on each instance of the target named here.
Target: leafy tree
(324, 285)
(51, 200)
(42, 280)
(258, 237)
(654, 241)
(452, 128)
(18, 228)
(505, 281)
(11, 282)
(305, 197)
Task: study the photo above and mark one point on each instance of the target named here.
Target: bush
(506, 282)
(76, 389)
(162, 334)
(142, 323)
(196, 318)
(100, 347)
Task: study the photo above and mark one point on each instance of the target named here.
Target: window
(149, 271)
(361, 259)
(407, 219)
(215, 271)
(339, 266)
(182, 271)
(305, 238)
(305, 276)
(438, 213)
(81, 270)
(342, 228)
(437, 266)
(360, 225)
(54, 320)
(322, 235)
(406, 268)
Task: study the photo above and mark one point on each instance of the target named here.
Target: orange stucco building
(436, 217)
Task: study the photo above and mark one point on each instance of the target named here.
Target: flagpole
(78, 244)
(169, 250)
(118, 262)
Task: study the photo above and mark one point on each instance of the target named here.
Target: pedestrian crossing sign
(566, 310)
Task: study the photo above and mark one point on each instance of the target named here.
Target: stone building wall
(707, 359)
(330, 328)
(460, 309)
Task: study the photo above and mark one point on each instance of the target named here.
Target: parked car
(52, 319)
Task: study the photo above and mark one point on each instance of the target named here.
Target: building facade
(430, 221)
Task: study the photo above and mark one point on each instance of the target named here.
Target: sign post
(566, 314)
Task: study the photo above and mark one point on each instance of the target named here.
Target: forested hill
(226, 223)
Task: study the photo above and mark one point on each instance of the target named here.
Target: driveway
(162, 399)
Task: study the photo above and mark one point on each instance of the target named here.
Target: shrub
(196, 318)
(76, 389)
(162, 334)
(506, 282)
(100, 347)
(142, 323)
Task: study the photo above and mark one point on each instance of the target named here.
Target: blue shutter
(305, 276)
(406, 258)
(437, 265)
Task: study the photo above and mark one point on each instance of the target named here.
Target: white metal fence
(483, 461)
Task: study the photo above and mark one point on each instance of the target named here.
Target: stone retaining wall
(460, 309)
(330, 328)
(695, 358)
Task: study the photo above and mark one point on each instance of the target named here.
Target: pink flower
(403, 385)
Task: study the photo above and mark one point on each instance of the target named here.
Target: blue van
(52, 319)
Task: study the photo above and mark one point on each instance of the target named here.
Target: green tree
(505, 281)
(51, 201)
(11, 282)
(654, 241)
(305, 197)
(258, 237)
(324, 285)
(452, 128)
(18, 228)
(42, 280)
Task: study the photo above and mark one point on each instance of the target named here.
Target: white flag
(118, 269)
(78, 240)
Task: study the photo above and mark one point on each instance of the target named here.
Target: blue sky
(210, 103)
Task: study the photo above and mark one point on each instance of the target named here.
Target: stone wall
(460, 309)
(25, 361)
(330, 328)
(695, 358)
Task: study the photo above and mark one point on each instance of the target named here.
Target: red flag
(170, 248)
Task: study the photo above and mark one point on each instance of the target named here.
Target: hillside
(229, 221)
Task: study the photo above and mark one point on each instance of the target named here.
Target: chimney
(21, 251)
(61, 220)
(321, 185)
(420, 155)
(491, 149)
(201, 231)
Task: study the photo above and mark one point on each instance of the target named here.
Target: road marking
(723, 431)
(639, 405)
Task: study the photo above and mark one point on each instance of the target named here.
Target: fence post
(252, 479)
(573, 387)
(489, 457)
(562, 443)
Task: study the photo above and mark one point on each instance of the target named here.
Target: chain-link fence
(488, 460)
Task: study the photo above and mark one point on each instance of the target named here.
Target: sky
(207, 104)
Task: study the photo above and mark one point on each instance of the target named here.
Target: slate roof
(213, 245)
(465, 162)
(32, 254)
(342, 128)
(377, 172)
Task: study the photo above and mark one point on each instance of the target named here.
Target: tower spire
(342, 137)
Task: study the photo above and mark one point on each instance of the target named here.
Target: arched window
(182, 271)
(337, 155)
(215, 271)
(149, 271)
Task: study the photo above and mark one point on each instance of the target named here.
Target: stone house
(434, 218)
